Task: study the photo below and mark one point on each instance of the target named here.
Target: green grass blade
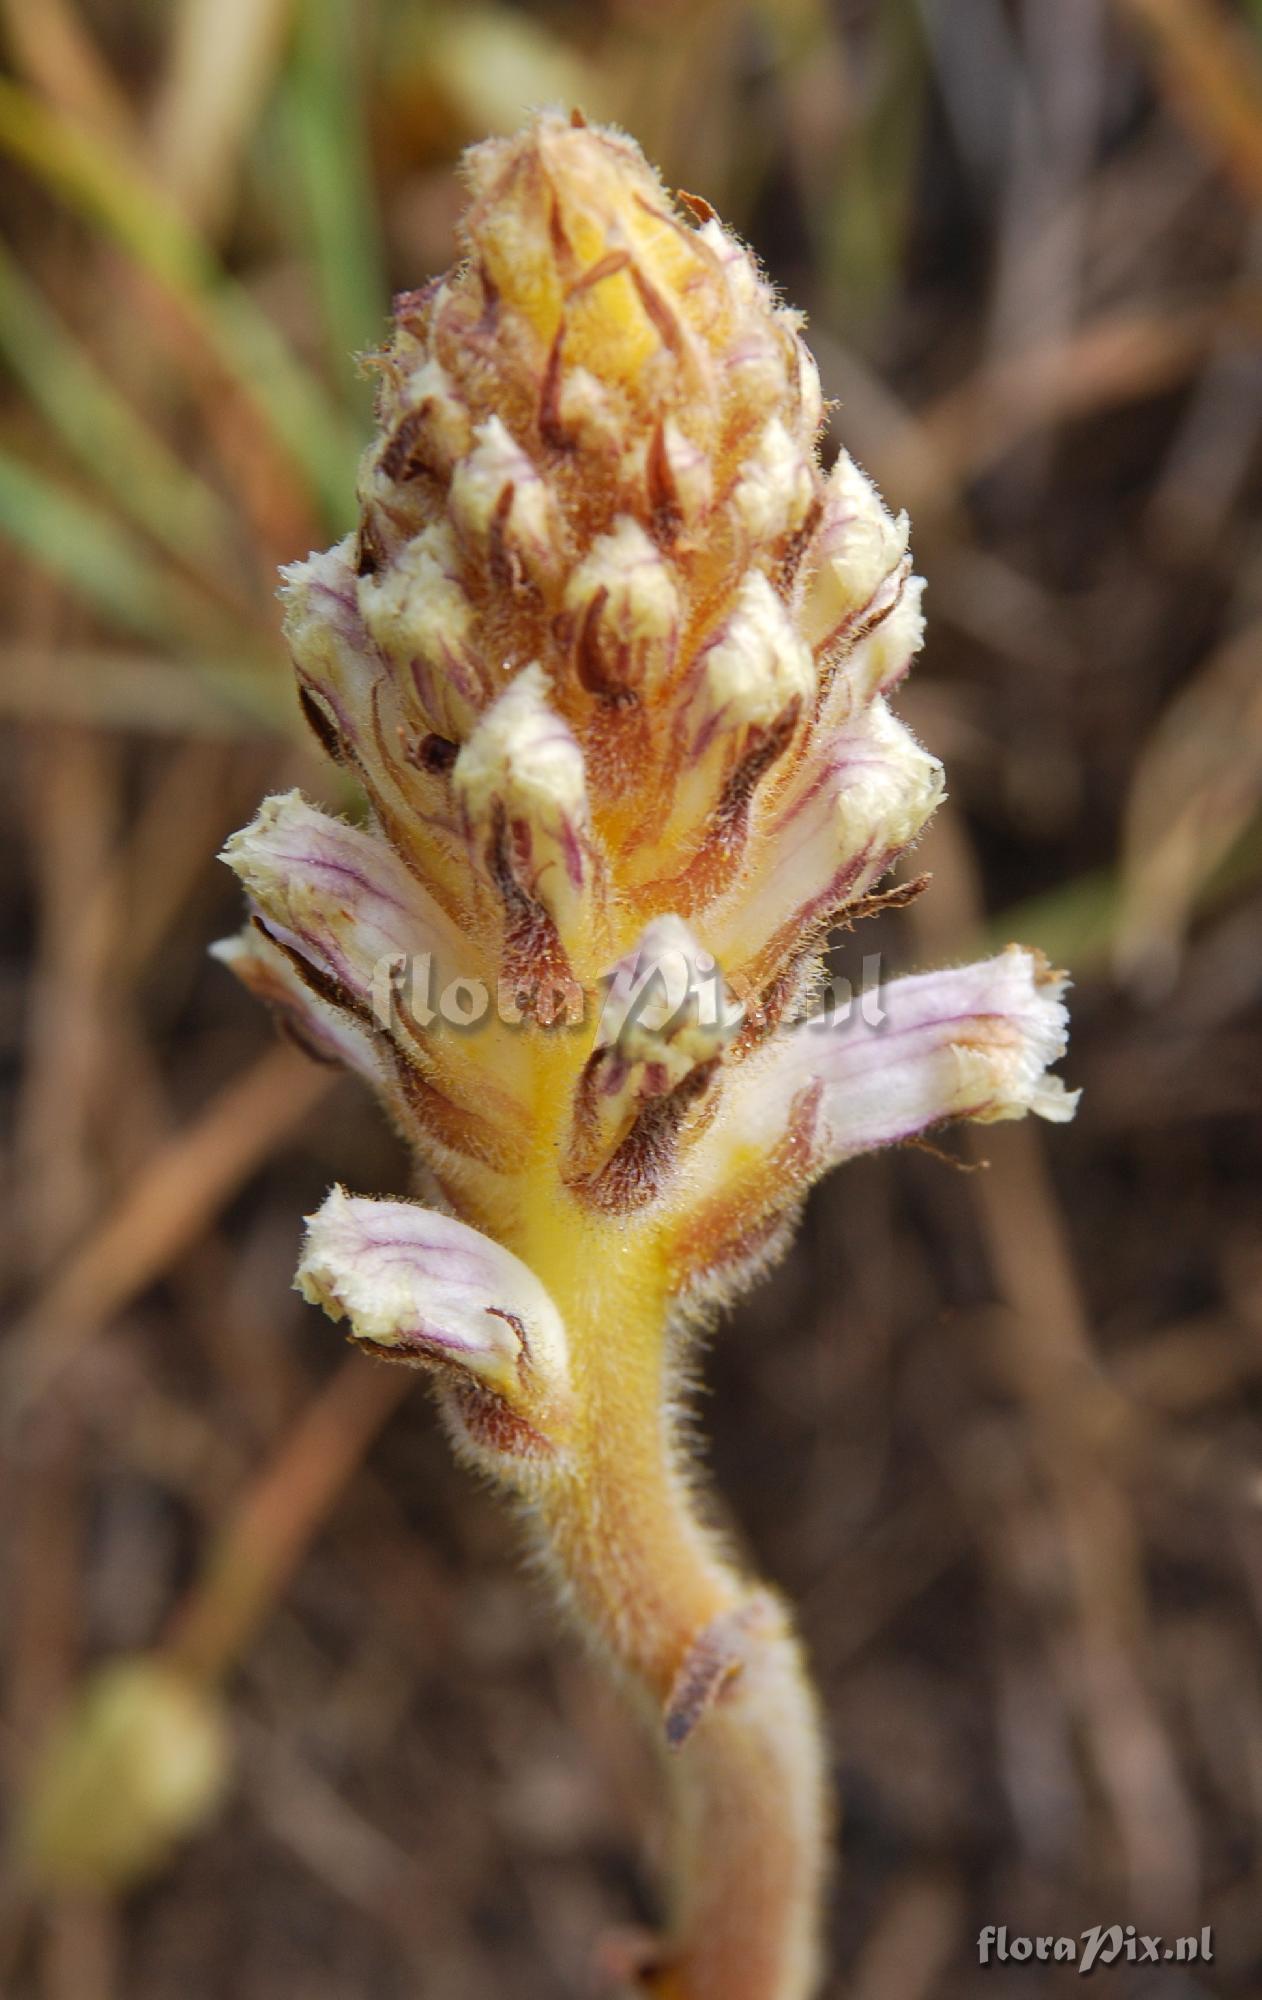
(1075, 923)
(105, 434)
(103, 563)
(91, 177)
(328, 141)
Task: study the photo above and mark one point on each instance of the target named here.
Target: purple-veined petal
(336, 900)
(337, 896)
(325, 1032)
(976, 1041)
(427, 1288)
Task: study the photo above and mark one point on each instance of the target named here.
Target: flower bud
(426, 425)
(877, 661)
(501, 504)
(419, 613)
(855, 803)
(776, 488)
(420, 1287)
(856, 560)
(748, 689)
(521, 784)
(680, 480)
(666, 1019)
(624, 607)
(573, 235)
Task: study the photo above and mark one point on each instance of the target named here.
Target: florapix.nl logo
(658, 989)
(1101, 1945)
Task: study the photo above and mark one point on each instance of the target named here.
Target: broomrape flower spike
(610, 656)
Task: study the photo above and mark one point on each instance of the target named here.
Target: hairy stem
(709, 1651)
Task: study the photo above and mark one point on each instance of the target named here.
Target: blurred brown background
(999, 1433)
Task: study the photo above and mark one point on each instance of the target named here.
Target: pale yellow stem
(711, 1652)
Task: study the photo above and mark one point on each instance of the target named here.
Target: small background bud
(136, 1764)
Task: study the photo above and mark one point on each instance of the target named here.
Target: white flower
(857, 800)
(425, 1288)
(976, 1041)
(334, 896)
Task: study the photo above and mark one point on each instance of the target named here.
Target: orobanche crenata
(610, 658)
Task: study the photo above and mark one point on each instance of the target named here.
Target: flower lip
(975, 1042)
(424, 1287)
(335, 893)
